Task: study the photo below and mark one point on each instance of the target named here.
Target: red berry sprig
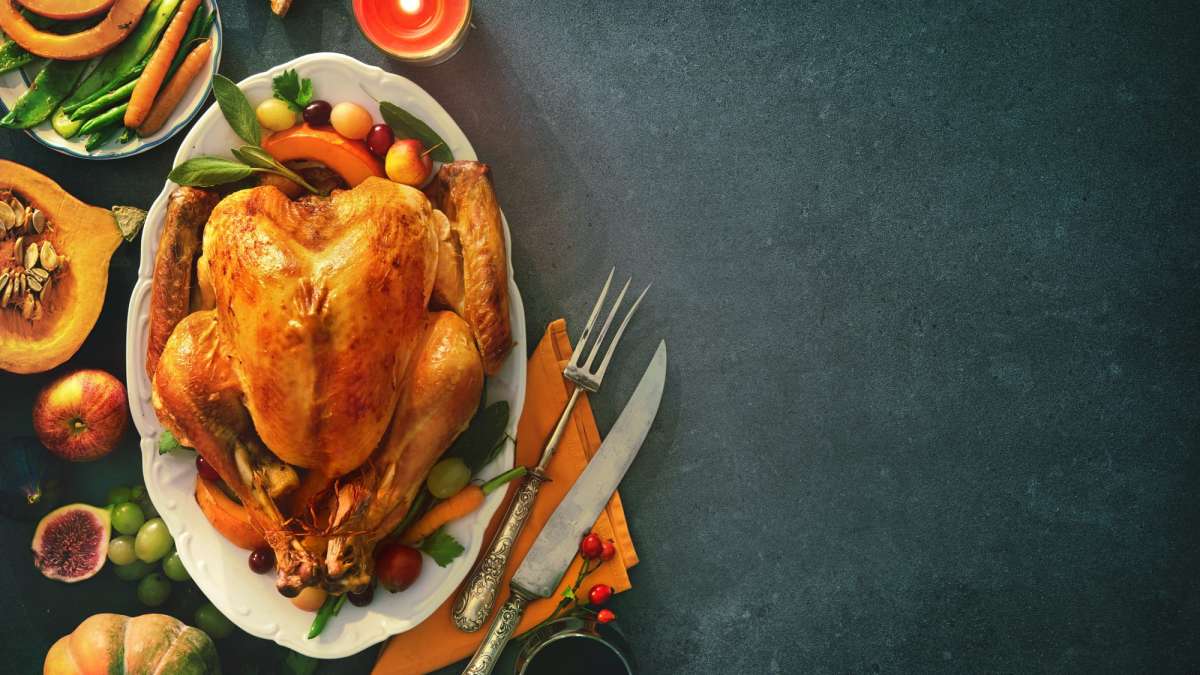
(594, 552)
(605, 616)
(600, 594)
(591, 547)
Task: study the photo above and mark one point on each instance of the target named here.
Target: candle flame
(410, 6)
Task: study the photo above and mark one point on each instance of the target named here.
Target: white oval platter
(218, 567)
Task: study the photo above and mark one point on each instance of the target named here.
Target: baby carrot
(156, 69)
(171, 94)
(460, 504)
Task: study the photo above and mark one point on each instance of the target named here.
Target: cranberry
(608, 550)
(362, 598)
(317, 113)
(591, 547)
(207, 472)
(262, 560)
(600, 594)
(605, 616)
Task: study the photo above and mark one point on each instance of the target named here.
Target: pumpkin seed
(38, 220)
(8, 218)
(38, 273)
(4, 281)
(20, 285)
(18, 248)
(31, 256)
(27, 307)
(33, 284)
(46, 287)
(18, 213)
(49, 256)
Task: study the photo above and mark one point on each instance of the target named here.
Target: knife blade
(553, 550)
(543, 567)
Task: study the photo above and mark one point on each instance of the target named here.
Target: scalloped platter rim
(219, 568)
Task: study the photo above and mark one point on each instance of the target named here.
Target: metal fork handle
(479, 594)
(488, 654)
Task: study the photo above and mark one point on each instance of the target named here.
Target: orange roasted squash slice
(122, 18)
(66, 10)
(84, 238)
(347, 158)
(227, 516)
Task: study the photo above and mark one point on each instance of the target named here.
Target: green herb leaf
(406, 125)
(442, 547)
(237, 110)
(261, 159)
(209, 171)
(290, 88)
(569, 593)
(296, 663)
(168, 443)
(484, 434)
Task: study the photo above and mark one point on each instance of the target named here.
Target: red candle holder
(421, 32)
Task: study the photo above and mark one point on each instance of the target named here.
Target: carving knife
(556, 546)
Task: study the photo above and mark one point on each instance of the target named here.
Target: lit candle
(422, 32)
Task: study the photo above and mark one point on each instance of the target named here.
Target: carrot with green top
(463, 503)
(152, 77)
(169, 99)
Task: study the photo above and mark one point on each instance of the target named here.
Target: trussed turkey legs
(442, 392)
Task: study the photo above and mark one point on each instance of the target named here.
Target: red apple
(81, 416)
(408, 163)
(397, 566)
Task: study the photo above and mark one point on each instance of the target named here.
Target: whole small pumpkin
(141, 645)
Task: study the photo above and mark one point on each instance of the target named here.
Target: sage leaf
(406, 125)
(261, 159)
(237, 110)
(209, 171)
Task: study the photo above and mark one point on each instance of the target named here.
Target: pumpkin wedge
(227, 516)
(120, 21)
(55, 261)
(348, 158)
(66, 10)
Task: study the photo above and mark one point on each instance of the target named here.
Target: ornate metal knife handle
(479, 594)
(488, 654)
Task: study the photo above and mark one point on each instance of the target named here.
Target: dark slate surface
(928, 274)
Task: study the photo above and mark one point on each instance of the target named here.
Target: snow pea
(49, 88)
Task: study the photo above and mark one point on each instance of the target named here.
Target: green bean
(132, 76)
(102, 136)
(105, 102)
(101, 121)
(330, 609)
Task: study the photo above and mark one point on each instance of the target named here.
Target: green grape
(120, 550)
(154, 590)
(137, 492)
(119, 495)
(447, 477)
(153, 541)
(210, 620)
(147, 506)
(127, 518)
(174, 569)
(133, 571)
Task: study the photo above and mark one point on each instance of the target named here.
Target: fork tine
(607, 322)
(582, 345)
(620, 331)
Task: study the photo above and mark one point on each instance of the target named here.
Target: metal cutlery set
(555, 547)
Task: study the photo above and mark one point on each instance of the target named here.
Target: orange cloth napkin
(436, 643)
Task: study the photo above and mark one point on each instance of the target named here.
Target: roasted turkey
(321, 354)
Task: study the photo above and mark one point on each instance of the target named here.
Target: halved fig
(71, 542)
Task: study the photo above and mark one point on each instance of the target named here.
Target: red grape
(380, 138)
(317, 113)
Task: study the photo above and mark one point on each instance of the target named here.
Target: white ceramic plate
(220, 569)
(16, 83)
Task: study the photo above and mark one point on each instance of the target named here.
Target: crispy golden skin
(321, 302)
(472, 264)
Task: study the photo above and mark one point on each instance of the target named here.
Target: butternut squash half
(82, 239)
(122, 18)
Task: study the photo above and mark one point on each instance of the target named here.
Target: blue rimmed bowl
(16, 83)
